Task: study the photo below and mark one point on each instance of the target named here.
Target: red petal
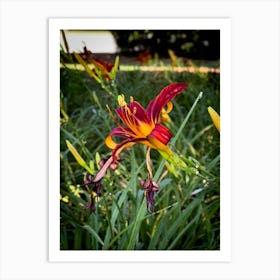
(166, 95)
(126, 117)
(107, 65)
(139, 112)
(133, 115)
(161, 133)
(122, 132)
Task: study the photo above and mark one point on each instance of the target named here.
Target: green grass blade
(180, 234)
(135, 229)
(177, 224)
(77, 238)
(93, 233)
(175, 138)
(159, 228)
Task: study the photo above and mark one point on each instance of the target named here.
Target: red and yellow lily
(101, 68)
(104, 67)
(143, 126)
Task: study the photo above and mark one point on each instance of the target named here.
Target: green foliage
(194, 44)
(187, 215)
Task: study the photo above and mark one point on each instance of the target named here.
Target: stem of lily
(148, 162)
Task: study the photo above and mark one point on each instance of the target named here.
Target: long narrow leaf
(136, 226)
(93, 233)
(78, 158)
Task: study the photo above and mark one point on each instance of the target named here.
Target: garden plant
(140, 153)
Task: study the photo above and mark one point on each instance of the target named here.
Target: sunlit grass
(152, 68)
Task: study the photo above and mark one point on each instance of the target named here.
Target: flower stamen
(112, 116)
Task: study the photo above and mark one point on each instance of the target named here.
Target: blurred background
(192, 44)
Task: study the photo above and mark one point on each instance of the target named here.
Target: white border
(255, 140)
(222, 24)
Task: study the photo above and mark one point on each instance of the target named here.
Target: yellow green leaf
(215, 117)
(77, 156)
(115, 68)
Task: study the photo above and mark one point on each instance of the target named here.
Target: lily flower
(101, 68)
(104, 67)
(143, 126)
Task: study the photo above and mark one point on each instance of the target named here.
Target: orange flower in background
(107, 65)
(144, 57)
(104, 67)
(143, 126)
(101, 68)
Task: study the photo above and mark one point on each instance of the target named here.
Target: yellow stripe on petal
(110, 143)
(143, 129)
(215, 117)
(155, 144)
